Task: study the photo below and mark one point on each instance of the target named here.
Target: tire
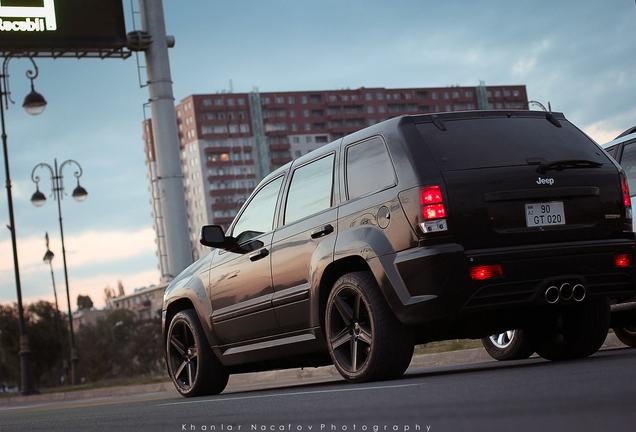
(574, 332)
(510, 345)
(626, 334)
(192, 366)
(366, 342)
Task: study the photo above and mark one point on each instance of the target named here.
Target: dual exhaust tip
(565, 292)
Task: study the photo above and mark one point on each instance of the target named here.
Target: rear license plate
(545, 214)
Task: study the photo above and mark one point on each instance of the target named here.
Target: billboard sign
(61, 24)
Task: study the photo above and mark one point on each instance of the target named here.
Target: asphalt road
(593, 394)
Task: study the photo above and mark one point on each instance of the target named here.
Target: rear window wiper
(567, 163)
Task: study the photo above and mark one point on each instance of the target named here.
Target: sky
(580, 55)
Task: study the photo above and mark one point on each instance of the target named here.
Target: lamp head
(38, 198)
(79, 193)
(34, 103)
(48, 256)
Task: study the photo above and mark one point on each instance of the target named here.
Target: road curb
(267, 379)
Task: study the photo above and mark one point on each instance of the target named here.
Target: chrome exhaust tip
(579, 292)
(565, 292)
(552, 294)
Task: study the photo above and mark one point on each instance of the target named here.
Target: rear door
(517, 179)
(305, 240)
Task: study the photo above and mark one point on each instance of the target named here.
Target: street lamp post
(48, 259)
(38, 199)
(33, 104)
(540, 105)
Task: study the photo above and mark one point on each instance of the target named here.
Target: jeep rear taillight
(627, 201)
(433, 209)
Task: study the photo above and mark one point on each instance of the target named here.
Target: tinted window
(258, 216)
(628, 162)
(612, 151)
(310, 189)
(369, 168)
(502, 141)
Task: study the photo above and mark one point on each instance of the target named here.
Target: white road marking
(350, 389)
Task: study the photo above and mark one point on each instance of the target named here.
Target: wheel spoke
(500, 339)
(180, 369)
(356, 307)
(354, 354)
(185, 335)
(341, 338)
(190, 373)
(194, 353)
(510, 334)
(178, 346)
(365, 336)
(344, 309)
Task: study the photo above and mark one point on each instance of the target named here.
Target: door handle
(326, 230)
(259, 255)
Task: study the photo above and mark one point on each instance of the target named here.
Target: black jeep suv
(419, 228)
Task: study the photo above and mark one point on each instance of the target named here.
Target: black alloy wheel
(351, 330)
(192, 365)
(365, 340)
(183, 355)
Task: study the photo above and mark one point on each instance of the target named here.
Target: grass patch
(449, 345)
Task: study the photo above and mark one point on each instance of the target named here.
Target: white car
(512, 345)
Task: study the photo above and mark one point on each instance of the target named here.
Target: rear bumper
(431, 283)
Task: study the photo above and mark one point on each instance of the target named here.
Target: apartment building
(229, 141)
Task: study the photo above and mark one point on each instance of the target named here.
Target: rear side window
(503, 141)
(310, 189)
(628, 162)
(369, 168)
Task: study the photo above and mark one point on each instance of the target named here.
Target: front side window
(258, 216)
(369, 168)
(310, 189)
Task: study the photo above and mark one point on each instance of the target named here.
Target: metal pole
(166, 139)
(26, 371)
(57, 307)
(57, 190)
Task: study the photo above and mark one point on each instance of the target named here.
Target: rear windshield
(503, 141)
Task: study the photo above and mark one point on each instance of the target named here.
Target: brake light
(623, 260)
(484, 272)
(432, 203)
(431, 195)
(434, 211)
(627, 201)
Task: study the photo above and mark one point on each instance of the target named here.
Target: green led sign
(61, 24)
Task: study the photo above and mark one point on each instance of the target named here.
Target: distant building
(145, 302)
(84, 317)
(229, 141)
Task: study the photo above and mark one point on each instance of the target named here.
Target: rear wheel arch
(329, 277)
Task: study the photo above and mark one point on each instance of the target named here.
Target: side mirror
(213, 236)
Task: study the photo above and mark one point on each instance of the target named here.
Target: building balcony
(279, 147)
(226, 192)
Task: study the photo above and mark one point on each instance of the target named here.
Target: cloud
(93, 286)
(85, 249)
